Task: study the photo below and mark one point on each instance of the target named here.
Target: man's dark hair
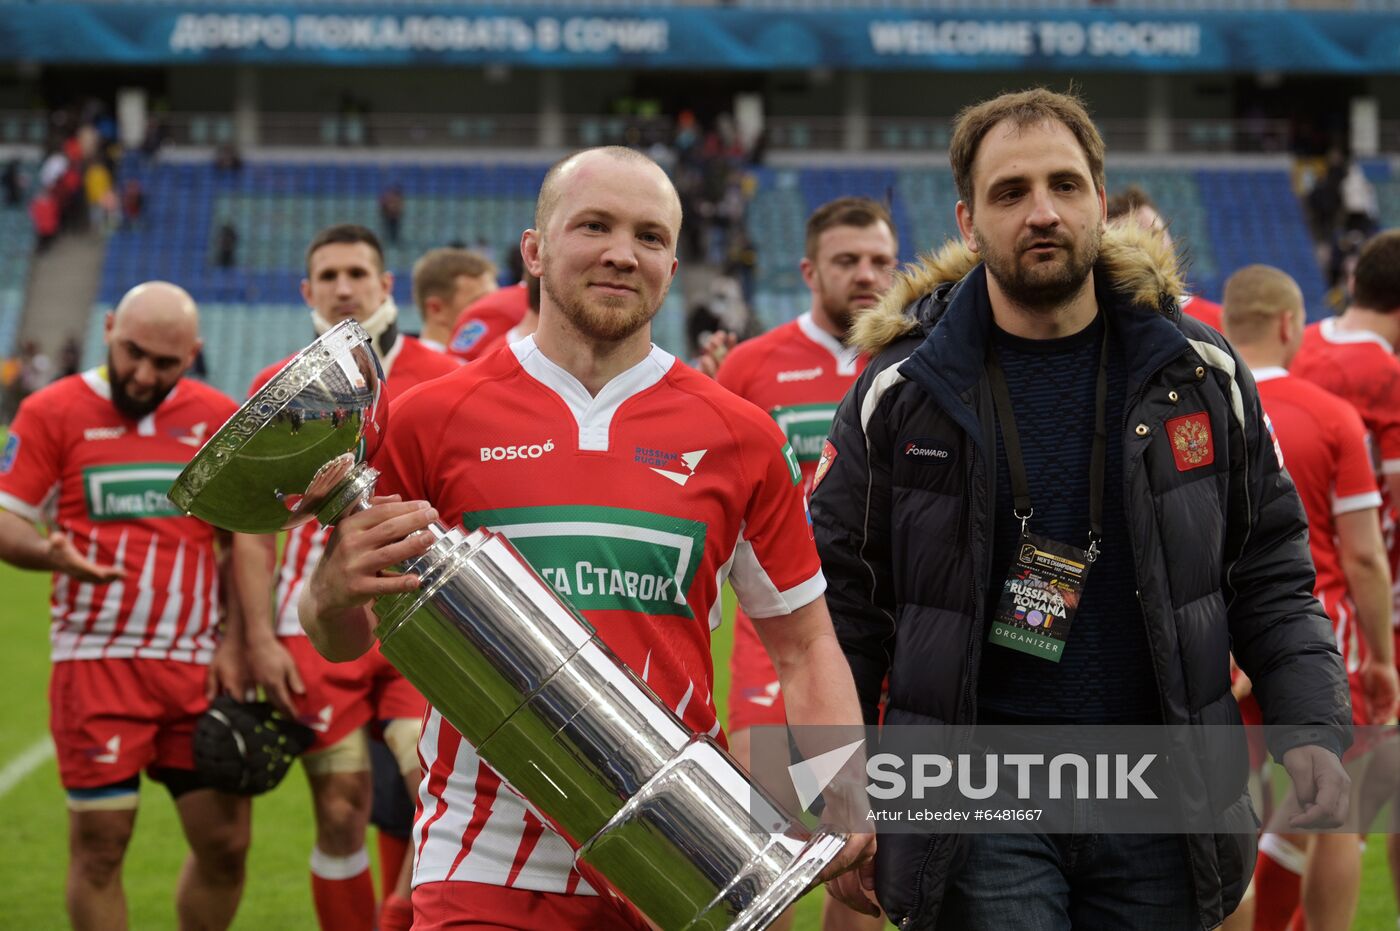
(1128, 201)
(1026, 108)
(348, 234)
(1376, 282)
(859, 212)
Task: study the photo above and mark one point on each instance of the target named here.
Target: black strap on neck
(1011, 438)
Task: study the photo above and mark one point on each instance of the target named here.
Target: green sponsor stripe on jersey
(130, 491)
(790, 458)
(806, 426)
(603, 558)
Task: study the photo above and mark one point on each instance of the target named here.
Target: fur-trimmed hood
(1136, 261)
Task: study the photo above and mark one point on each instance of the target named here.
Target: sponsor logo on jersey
(790, 457)
(806, 427)
(110, 752)
(684, 468)
(523, 451)
(7, 458)
(799, 375)
(104, 433)
(195, 437)
(926, 450)
(606, 559)
(468, 336)
(130, 491)
(1192, 445)
(765, 696)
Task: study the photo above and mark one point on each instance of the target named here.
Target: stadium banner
(709, 38)
(1053, 779)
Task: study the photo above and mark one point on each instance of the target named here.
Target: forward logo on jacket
(1192, 444)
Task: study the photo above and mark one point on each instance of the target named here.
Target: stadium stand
(1253, 217)
(251, 311)
(276, 207)
(16, 244)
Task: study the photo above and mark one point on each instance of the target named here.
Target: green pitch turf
(33, 821)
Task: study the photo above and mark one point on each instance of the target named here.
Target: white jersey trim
(592, 414)
(23, 508)
(386, 361)
(845, 356)
(1329, 331)
(1390, 467)
(1370, 499)
(1268, 373)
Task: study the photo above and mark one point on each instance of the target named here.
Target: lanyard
(1011, 438)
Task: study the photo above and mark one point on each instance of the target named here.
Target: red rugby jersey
(798, 373)
(485, 322)
(1208, 312)
(1361, 369)
(408, 363)
(103, 478)
(1324, 449)
(636, 505)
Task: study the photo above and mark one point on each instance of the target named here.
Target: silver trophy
(662, 815)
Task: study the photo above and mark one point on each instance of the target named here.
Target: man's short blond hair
(1255, 297)
(435, 274)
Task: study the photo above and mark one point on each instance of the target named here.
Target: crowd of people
(1038, 399)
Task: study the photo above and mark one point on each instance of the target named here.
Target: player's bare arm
(816, 682)
(228, 670)
(24, 546)
(334, 606)
(1367, 570)
(269, 663)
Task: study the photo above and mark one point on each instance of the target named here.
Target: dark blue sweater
(1105, 675)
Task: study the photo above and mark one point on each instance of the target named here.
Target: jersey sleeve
(1384, 415)
(478, 331)
(1355, 486)
(734, 372)
(31, 464)
(776, 569)
(402, 460)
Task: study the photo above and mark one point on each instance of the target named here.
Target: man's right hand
(350, 573)
(275, 672)
(64, 558)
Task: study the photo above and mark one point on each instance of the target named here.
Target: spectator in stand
(14, 183)
(445, 283)
(43, 213)
(133, 202)
(227, 158)
(391, 213)
(1360, 208)
(1132, 205)
(70, 357)
(226, 245)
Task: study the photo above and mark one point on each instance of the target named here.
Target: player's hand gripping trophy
(662, 814)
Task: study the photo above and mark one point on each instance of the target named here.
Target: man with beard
(136, 602)
(577, 443)
(799, 372)
(345, 279)
(1037, 410)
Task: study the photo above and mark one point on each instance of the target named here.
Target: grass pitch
(33, 820)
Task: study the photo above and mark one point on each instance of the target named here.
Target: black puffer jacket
(1220, 552)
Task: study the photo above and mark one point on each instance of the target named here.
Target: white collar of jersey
(432, 344)
(1334, 335)
(1268, 373)
(593, 414)
(844, 355)
(97, 380)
